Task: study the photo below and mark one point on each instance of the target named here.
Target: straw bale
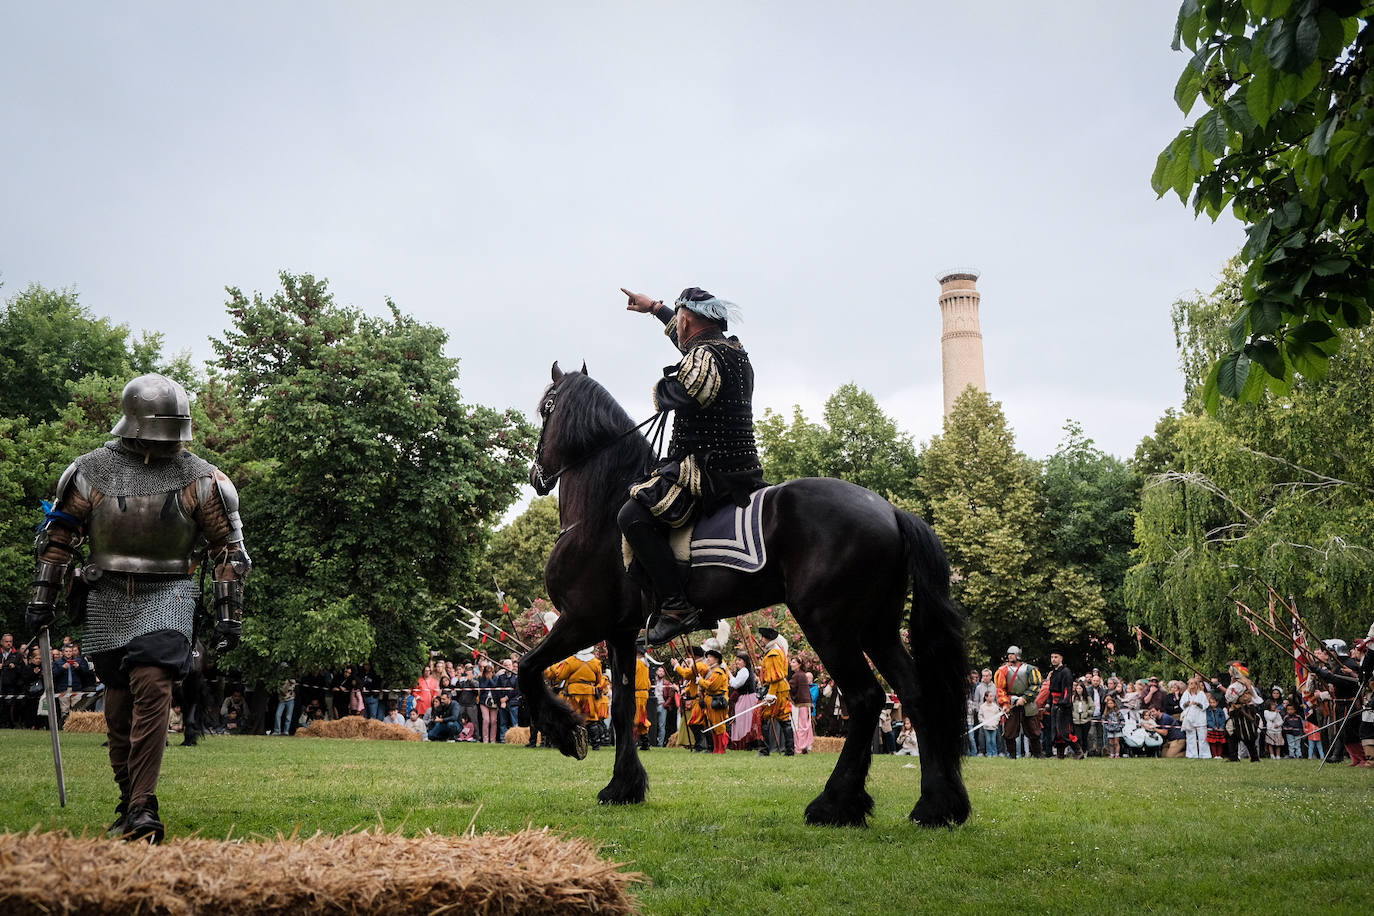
(358, 727)
(517, 735)
(825, 745)
(375, 873)
(85, 721)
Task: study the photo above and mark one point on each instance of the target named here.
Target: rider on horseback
(712, 458)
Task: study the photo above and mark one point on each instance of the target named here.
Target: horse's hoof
(825, 811)
(622, 795)
(579, 743)
(952, 814)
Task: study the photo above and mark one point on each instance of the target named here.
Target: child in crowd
(1112, 723)
(1273, 729)
(906, 743)
(989, 721)
(417, 724)
(469, 731)
(1292, 731)
(393, 715)
(1313, 732)
(1216, 728)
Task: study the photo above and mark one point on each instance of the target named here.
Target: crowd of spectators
(479, 701)
(1118, 717)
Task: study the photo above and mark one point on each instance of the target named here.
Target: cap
(768, 633)
(715, 653)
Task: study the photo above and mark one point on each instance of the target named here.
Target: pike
(1253, 618)
(1140, 631)
(49, 694)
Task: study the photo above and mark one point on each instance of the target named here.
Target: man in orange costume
(691, 673)
(642, 685)
(579, 674)
(777, 705)
(714, 701)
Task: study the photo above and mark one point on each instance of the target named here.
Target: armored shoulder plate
(68, 476)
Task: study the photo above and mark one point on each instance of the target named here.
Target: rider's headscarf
(721, 311)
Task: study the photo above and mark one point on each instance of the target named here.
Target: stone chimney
(961, 343)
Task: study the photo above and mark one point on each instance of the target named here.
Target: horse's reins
(655, 437)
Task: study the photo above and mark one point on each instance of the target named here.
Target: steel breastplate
(149, 535)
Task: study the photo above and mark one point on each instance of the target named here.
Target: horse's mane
(589, 422)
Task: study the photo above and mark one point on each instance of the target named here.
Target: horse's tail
(937, 643)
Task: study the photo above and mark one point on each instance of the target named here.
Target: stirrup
(669, 626)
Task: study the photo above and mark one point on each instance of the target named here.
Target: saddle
(731, 536)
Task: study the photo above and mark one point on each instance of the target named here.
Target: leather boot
(116, 829)
(1356, 752)
(142, 823)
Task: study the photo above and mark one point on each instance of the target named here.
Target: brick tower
(961, 343)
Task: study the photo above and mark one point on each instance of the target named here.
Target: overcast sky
(499, 169)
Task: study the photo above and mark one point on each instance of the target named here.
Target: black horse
(840, 557)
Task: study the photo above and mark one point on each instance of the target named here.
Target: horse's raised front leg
(555, 719)
(629, 783)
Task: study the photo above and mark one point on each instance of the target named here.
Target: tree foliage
(856, 441)
(517, 553)
(987, 504)
(1260, 495)
(1287, 141)
(368, 485)
(48, 340)
(1090, 504)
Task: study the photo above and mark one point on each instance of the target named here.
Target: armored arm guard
(219, 518)
(58, 539)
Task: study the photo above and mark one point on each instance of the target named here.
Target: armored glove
(39, 616)
(229, 632)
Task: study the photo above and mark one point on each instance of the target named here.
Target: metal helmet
(1336, 645)
(1014, 650)
(156, 409)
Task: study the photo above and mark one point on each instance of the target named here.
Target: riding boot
(788, 741)
(677, 615)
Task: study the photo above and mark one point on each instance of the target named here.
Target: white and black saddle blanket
(732, 537)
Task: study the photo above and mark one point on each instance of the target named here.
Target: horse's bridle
(544, 483)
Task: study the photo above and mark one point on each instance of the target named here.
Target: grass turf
(726, 834)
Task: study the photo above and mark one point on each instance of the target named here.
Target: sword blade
(45, 646)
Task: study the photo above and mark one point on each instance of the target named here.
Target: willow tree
(1258, 500)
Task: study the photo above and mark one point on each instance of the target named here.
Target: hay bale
(86, 722)
(378, 873)
(358, 727)
(517, 735)
(825, 745)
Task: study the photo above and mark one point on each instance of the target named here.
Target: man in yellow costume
(777, 704)
(580, 674)
(642, 685)
(691, 672)
(714, 701)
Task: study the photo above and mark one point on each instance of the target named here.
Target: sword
(45, 647)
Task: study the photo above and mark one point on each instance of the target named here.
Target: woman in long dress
(745, 732)
(800, 685)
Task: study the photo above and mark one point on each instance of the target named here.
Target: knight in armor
(143, 508)
(712, 458)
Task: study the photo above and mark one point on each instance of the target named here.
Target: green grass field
(725, 835)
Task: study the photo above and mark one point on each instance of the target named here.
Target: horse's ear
(584, 367)
(557, 372)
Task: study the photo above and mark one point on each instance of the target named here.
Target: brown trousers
(136, 717)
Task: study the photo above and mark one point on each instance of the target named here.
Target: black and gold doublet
(712, 456)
